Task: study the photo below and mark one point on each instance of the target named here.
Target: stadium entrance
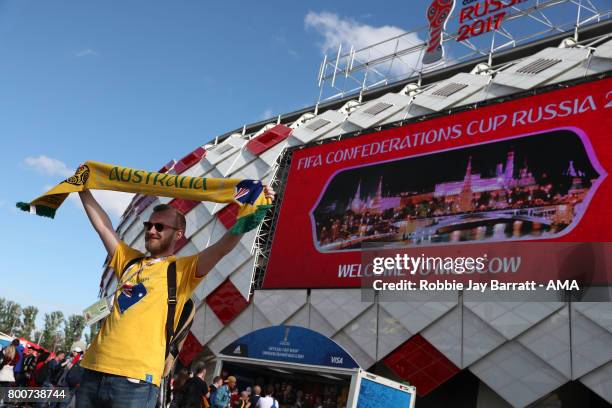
(304, 365)
(291, 383)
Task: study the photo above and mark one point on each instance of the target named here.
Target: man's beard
(156, 246)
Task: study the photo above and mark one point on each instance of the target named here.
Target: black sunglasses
(159, 227)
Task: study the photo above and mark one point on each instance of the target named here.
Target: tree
(10, 313)
(73, 329)
(93, 330)
(51, 336)
(29, 322)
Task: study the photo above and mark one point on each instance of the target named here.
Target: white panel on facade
(478, 338)
(600, 381)
(300, 318)
(139, 243)
(206, 324)
(604, 50)
(550, 340)
(391, 333)
(418, 309)
(213, 173)
(338, 306)
(378, 110)
(529, 73)
(491, 91)
(411, 111)
(510, 318)
(223, 150)
(271, 155)
(208, 235)
(274, 307)
(445, 335)
(319, 324)
(212, 280)
(517, 375)
(256, 170)
(188, 249)
(346, 127)
(450, 92)
(588, 67)
(359, 338)
(196, 218)
(238, 256)
(242, 159)
(242, 278)
(318, 126)
(133, 230)
(598, 312)
(591, 345)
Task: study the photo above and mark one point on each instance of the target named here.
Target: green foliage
(10, 316)
(52, 337)
(73, 329)
(29, 323)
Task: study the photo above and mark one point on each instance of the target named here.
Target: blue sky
(138, 83)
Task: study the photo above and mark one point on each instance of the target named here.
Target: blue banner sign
(291, 344)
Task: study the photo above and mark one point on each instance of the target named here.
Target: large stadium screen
(488, 179)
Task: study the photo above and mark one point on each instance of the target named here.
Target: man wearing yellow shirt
(124, 364)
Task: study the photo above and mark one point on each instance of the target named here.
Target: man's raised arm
(100, 221)
(209, 257)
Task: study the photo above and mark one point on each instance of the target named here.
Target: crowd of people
(26, 366)
(189, 390)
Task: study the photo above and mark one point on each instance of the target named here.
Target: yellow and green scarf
(248, 194)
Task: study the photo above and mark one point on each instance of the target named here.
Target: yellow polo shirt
(132, 341)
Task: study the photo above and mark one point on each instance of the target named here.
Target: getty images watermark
(402, 264)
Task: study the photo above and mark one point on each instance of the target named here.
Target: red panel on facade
(420, 363)
(189, 160)
(226, 301)
(167, 167)
(268, 139)
(183, 206)
(228, 215)
(191, 348)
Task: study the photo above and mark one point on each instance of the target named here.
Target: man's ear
(180, 234)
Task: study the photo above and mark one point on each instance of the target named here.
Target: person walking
(223, 395)
(8, 361)
(195, 391)
(268, 401)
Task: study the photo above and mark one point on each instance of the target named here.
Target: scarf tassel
(41, 210)
(251, 221)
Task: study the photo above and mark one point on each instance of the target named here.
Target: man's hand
(269, 193)
(209, 257)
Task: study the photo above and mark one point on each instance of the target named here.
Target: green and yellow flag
(248, 194)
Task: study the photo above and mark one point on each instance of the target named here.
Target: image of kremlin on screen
(530, 187)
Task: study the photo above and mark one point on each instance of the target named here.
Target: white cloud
(348, 32)
(88, 52)
(267, 114)
(113, 202)
(49, 166)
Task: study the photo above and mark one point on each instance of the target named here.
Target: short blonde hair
(181, 223)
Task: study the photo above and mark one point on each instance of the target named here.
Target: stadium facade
(468, 353)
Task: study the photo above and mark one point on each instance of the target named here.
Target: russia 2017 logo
(438, 14)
